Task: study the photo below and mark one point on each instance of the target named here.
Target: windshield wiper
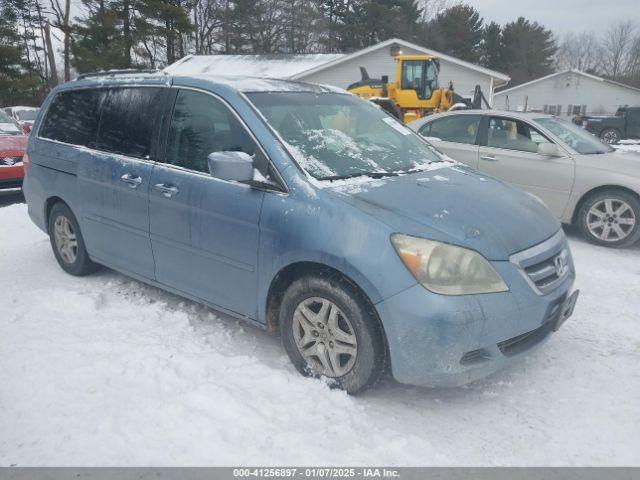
(413, 170)
(374, 174)
(360, 174)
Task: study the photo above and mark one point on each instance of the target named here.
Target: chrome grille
(545, 265)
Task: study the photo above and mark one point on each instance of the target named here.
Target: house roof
(563, 72)
(276, 66)
(298, 66)
(396, 41)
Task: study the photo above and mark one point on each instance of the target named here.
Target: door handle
(166, 190)
(132, 180)
(488, 158)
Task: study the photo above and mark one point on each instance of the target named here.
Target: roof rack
(109, 73)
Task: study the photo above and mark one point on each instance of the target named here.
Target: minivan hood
(457, 205)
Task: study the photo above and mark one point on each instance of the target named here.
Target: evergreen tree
(19, 80)
(385, 19)
(10, 52)
(345, 24)
(491, 47)
(303, 25)
(98, 39)
(456, 31)
(355, 24)
(254, 26)
(163, 22)
(528, 50)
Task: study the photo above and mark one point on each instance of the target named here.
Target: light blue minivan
(303, 209)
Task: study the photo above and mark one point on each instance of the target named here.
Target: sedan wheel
(611, 220)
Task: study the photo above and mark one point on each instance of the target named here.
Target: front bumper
(11, 176)
(438, 340)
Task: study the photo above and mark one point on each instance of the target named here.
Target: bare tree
(431, 8)
(303, 25)
(62, 21)
(579, 51)
(633, 67)
(615, 48)
(51, 59)
(208, 22)
(266, 29)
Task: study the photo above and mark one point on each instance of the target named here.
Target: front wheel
(329, 330)
(611, 218)
(610, 135)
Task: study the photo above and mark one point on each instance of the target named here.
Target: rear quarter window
(128, 121)
(73, 117)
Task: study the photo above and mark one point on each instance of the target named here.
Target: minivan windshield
(333, 135)
(577, 138)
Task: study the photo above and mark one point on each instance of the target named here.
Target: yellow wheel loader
(416, 91)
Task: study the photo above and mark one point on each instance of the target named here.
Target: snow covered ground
(628, 146)
(104, 370)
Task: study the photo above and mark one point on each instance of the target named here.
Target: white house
(341, 70)
(568, 93)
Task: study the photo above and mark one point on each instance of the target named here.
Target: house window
(553, 109)
(573, 110)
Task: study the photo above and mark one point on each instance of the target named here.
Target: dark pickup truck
(624, 124)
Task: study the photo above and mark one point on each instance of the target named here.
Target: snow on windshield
(335, 136)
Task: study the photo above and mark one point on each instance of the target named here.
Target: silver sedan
(582, 180)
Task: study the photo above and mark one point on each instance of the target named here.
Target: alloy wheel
(65, 239)
(611, 220)
(610, 136)
(324, 337)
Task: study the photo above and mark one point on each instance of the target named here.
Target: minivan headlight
(447, 269)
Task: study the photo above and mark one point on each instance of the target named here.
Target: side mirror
(549, 149)
(236, 166)
(26, 128)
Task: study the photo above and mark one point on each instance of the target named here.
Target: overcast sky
(560, 15)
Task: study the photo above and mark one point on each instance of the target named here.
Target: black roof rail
(109, 73)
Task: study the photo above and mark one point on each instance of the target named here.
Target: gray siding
(380, 62)
(570, 88)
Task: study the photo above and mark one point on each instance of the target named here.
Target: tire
(610, 136)
(67, 243)
(355, 320)
(602, 216)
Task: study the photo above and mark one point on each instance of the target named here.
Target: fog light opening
(475, 356)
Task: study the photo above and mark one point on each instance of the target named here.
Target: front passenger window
(513, 135)
(202, 124)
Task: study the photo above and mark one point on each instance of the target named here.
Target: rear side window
(73, 117)
(458, 128)
(128, 122)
